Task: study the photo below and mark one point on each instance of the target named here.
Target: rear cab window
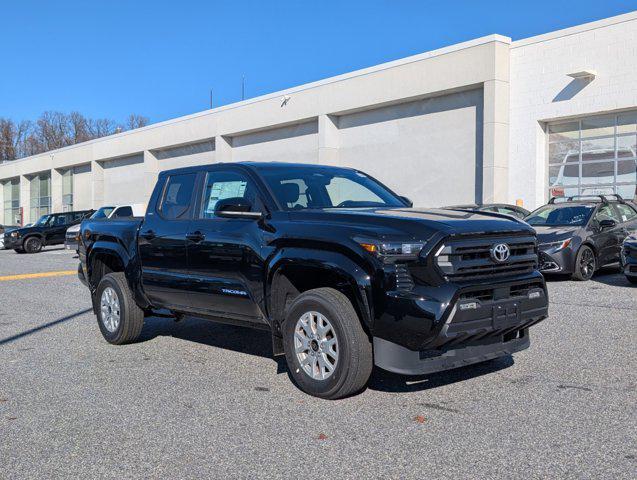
(177, 196)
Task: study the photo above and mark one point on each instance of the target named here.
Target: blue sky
(160, 58)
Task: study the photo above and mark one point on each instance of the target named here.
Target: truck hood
(415, 221)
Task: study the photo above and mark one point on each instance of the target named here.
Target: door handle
(148, 235)
(195, 236)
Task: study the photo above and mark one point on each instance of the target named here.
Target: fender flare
(337, 263)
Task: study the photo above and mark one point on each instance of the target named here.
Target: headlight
(15, 234)
(562, 244)
(393, 249)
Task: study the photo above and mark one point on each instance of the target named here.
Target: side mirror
(236, 207)
(607, 224)
(407, 201)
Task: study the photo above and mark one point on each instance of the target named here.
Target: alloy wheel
(587, 263)
(316, 345)
(109, 307)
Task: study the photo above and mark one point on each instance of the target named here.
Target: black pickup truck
(342, 271)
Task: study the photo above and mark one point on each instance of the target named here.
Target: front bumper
(397, 359)
(12, 242)
(629, 259)
(561, 261)
(435, 328)
(71, 243)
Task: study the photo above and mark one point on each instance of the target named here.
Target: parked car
(71, 239)
(504, 208)
(48, 230)
(3, 229)
(340, 269)
(578, 235)
(629, 257)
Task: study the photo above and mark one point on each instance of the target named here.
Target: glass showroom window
(11, 201)
(593, 156)
(40, 186)
(67, 190)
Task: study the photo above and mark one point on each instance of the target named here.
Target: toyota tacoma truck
(342, 271)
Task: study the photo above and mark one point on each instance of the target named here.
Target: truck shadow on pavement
(259, 343)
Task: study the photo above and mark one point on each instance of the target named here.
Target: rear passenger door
(608, 241)
(162, 242)
(57, 228)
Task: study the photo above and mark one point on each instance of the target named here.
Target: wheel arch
(293, 271)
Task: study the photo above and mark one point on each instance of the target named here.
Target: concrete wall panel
(429, 151)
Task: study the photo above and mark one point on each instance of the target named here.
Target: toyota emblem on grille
(500, 252)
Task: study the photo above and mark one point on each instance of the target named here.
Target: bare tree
(56, 130)
(12, 138)
(136, 121)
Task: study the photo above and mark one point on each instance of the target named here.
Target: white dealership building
(488, 120)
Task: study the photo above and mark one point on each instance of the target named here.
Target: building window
(40, 187)
(67, 190)
(593, 156)
(11, 201)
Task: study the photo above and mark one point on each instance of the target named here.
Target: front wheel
(33, 245)
(118, 316)
(585, 264)
(329, 355)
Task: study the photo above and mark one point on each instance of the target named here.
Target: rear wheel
(118, 316)
(329, 354)
(585, 264)
(33, 244)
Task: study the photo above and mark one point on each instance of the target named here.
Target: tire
(32, 245)
(585, 264)
(118, 316)
(353, 363)
(632, 280)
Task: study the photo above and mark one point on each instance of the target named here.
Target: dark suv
(579, 235)
(340, 269)
(48, 230)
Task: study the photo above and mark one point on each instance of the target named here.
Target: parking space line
(26, 276)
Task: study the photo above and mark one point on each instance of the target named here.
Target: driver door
(224, 254)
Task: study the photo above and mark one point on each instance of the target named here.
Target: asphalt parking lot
(196, 399)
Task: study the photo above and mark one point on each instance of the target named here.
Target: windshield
(42, 220)
(102, 212)
(319, 187)
(555, 215)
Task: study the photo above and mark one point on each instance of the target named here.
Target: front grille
(470, 257)
(519, 290)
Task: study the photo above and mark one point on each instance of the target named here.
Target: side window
(606, 213)
(221, 185)
(61, 220)
(177, 195)
(626, 213)
(124, 212)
